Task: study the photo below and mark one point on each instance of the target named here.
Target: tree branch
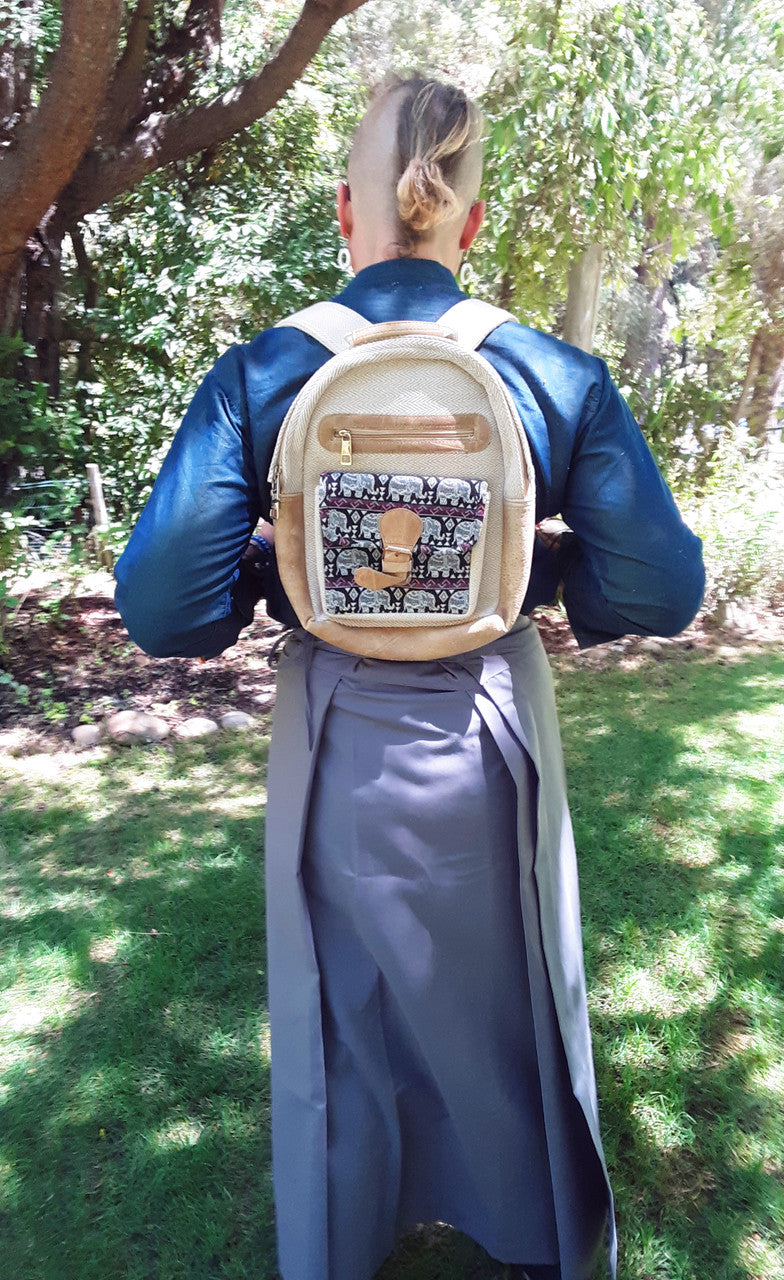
(198, 34)
(89, 277)
(49, 144)
(7, 85)
(164, 138)
(15, 59)
(125, 94)
(750, 381)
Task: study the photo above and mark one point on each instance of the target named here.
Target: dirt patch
(69, 661)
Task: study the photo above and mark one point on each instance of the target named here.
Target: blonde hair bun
(437, 124)
(424, 199)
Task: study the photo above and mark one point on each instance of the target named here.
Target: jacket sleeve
(633, 565)
(180, 591)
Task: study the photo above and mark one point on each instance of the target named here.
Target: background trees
(635, 171)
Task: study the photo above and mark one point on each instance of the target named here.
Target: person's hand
(550, 532)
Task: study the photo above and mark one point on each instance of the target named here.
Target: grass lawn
(133, 1037)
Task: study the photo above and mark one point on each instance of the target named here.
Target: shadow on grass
(675, 800)
(134, 1119)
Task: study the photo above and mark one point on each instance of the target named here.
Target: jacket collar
(401, 288)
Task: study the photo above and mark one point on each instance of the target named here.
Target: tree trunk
(582, 303)
(10, 295)
(41, 312)
(49, 142)
(763, 389)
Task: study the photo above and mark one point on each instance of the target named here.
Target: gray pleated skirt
(422, 1068)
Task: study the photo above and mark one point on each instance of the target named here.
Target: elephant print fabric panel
(452, 513)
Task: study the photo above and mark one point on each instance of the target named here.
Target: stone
(128, 727)
(740, 616)
(650, 645)
(86, 736)
(265, 701)
(196, 727)
(236, 720)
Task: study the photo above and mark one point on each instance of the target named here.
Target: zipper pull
(345, 448)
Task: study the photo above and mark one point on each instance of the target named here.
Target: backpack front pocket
(445, 561)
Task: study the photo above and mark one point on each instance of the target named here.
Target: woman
(431, 1052)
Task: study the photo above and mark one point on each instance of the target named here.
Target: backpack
(402, 487)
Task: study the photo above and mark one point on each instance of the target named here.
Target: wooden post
(96, 497)
(100, 515)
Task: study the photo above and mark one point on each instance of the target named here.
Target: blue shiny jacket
(633, 566)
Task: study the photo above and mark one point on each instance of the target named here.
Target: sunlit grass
(679, 822)
(134, 1041)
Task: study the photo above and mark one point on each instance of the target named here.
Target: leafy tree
(751, 40)
(646, 140)
(602, 134)
(97, 94)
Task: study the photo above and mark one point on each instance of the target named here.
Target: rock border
(131, 727)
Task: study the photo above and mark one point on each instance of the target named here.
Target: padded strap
(473, 321)
(330, 323)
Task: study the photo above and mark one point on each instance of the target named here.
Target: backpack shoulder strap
(330, 323)
(474, 320)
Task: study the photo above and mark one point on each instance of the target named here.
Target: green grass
(133, 1037)
(677, 780)
(134, 1060)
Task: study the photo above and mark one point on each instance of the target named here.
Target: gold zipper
(345, 447)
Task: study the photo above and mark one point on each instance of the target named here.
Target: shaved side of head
(374, 168)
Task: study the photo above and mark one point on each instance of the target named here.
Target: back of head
(437, 126)
(418, 152)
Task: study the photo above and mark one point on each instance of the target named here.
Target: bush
(24, 429)
(13, 555)
(739, 516)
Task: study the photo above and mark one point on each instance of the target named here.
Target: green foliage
(19, 692)
(602, 128)
(652, 130)
(35, 29)
(740, 516)
(25, 435)
(750, 43)
(40, 445)
(13, 557)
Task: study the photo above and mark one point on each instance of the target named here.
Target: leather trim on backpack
(406, 433)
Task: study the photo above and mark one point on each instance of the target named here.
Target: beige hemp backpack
(402, 487)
